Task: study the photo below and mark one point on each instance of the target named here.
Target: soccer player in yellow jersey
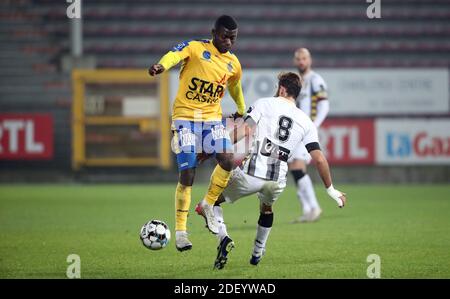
(208, 68)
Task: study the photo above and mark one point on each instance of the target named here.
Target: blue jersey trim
(181, 46)
(185, 43)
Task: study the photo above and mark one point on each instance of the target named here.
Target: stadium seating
(134, 33)
(34, 35)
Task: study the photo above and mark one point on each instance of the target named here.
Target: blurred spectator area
(34, 36)
(124, 33)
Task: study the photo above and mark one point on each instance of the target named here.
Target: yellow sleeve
(177, 54)
(235, 89)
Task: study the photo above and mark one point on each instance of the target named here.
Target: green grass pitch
(407, 226)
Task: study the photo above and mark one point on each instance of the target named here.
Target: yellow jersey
(204, 76)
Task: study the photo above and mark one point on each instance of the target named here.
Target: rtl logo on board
(26, 136)
(348, 141)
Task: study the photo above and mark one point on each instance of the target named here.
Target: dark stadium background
(389, 93)
(35, 39)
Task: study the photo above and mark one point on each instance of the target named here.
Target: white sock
(306, 194)
(218, 213)
(180, 233)
(302, 197)
(262, 233)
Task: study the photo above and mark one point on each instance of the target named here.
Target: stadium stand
(30, 77)
(338, 32)
(34, 36)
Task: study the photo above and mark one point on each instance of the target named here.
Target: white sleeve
(323, 107)
(311, 135)
(255, 111)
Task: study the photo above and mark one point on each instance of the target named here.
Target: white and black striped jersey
(314, 89)
(280, 128)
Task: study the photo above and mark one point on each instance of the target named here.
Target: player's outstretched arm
(169, 60)
(323, 168)
(235, 89)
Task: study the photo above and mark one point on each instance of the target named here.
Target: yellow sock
(219, 180)
(182, 203)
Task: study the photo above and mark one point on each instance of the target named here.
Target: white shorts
(241, 184)
(300, 153)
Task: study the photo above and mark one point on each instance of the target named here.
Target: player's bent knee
(187, 176)
(297, 165)
(269, 193)
(225, 160)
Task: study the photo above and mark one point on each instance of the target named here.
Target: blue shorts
(193, 137)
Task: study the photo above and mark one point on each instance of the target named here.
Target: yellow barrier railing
(79, 119)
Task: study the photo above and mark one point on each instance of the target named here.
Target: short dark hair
(225, 22)
(292, 83)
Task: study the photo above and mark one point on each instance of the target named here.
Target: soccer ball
(155, 235)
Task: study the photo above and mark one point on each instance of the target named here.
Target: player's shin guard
(219, 180)
(262, 233)
(182, 203)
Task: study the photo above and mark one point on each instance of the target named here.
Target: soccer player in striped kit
(278, 128)
(313, 101)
